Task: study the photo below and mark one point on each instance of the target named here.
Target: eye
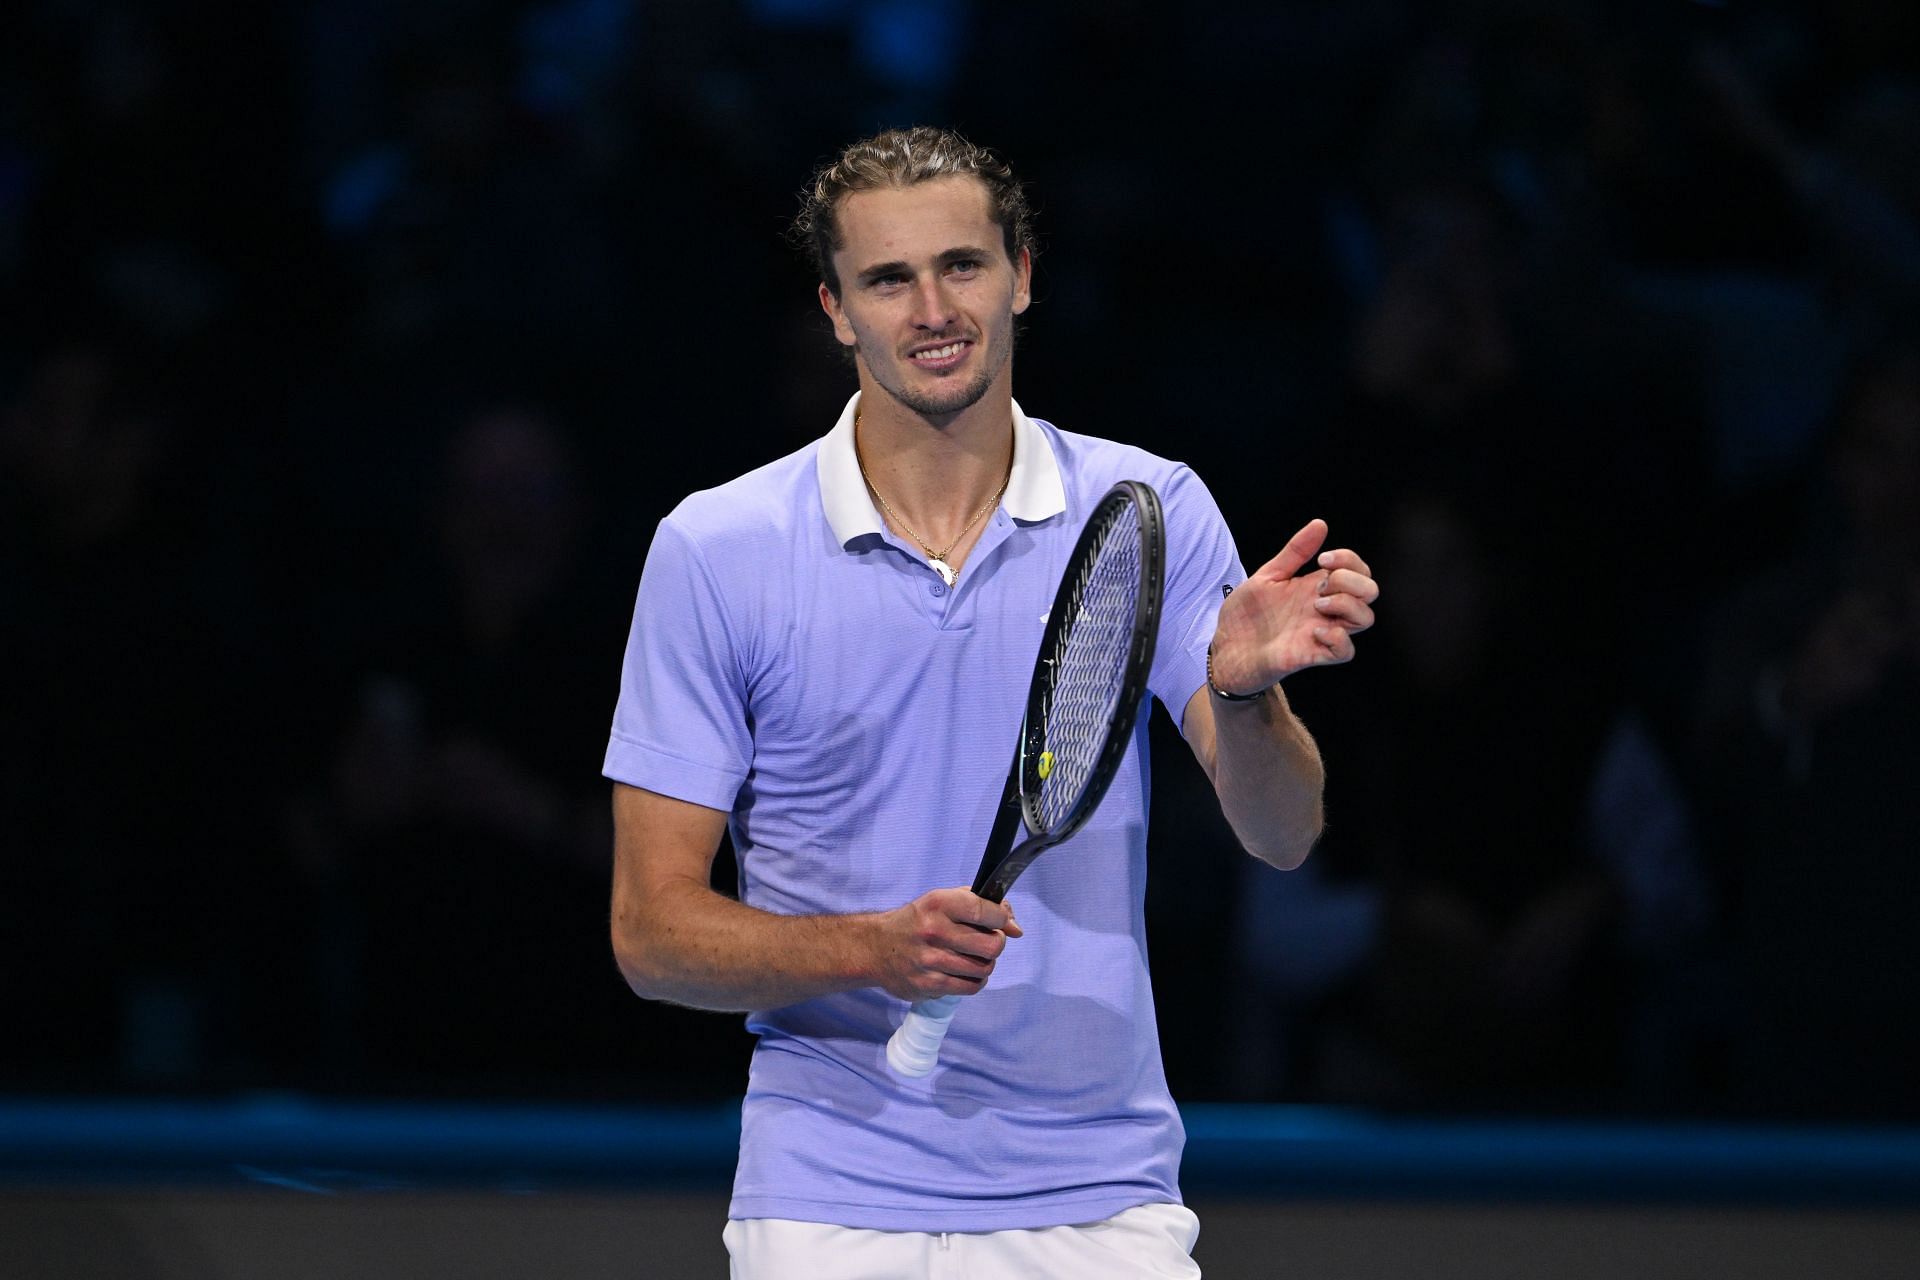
(964, 267)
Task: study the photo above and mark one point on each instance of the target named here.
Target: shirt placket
(940, 601)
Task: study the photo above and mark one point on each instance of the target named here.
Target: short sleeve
(1202, 565)
(680, 726)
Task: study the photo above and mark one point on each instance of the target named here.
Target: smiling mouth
(940, 355)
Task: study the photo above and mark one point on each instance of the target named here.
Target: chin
(938, 401)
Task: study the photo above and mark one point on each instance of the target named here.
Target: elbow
(648, 933)
(630, 958)
(1287, 851)
(1285, 857)
(639, 958)
(1293, 856)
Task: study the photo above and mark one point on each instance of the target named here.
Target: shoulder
(1090, 465)
(766, 505)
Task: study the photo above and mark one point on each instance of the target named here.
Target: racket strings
(1089, 665)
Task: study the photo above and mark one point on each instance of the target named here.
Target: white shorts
(1148, 1240)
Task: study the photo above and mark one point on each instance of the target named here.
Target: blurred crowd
(350, 351)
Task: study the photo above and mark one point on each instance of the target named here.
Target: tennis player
(829, 660)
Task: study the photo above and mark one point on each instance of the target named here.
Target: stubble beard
(943, 402)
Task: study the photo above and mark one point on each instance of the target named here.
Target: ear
(831, 305)
(1023, 281)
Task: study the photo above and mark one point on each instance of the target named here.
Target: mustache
(940, 340)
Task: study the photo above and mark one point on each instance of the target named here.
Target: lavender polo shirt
(795, 665)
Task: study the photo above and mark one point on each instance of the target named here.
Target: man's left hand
(1280, 620)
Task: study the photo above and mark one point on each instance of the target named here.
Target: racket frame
(1003, 862)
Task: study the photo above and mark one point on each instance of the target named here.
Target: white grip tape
(915, 1046)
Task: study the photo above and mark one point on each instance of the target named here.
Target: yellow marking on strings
(1046, 765)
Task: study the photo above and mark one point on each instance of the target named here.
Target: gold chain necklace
(937, 560)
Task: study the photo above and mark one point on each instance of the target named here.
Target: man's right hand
(677, 939)
(943, 943)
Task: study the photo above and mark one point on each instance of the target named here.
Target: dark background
(349, 353)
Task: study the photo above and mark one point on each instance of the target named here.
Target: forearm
(684, 943)
(1267, 773)
(1263, 763)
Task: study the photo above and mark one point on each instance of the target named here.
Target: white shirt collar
(1034, 491)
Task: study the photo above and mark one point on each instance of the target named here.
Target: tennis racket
(1087, 684)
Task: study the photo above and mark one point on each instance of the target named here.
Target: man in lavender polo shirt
(829, 658)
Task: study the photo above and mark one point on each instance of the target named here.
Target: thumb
(1301, 548)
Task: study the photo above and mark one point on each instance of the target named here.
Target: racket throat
(994, 886)
(1006, 829)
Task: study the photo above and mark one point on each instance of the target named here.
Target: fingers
(965, 907)
(1343, 563)
(1347, 572)
(957, 938)
(1351, 610)
(1336, 645)
(975, 943)
(1261, 630)
(1346, 593)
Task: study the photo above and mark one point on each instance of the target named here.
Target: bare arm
(1265, 769)
(1263, 763)
(676, 939)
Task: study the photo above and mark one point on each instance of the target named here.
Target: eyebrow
(959, 253)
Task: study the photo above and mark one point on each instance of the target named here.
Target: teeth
(952, 348)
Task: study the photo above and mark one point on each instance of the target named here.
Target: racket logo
(1046, 764)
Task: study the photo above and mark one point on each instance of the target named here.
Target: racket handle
(915, 1046)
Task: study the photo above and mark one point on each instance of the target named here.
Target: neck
(935, 490)
(935, 472)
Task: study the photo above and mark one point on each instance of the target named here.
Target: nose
(933, 306)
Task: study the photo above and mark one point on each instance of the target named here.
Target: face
(927, 294)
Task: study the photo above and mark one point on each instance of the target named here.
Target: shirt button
(936, 589)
